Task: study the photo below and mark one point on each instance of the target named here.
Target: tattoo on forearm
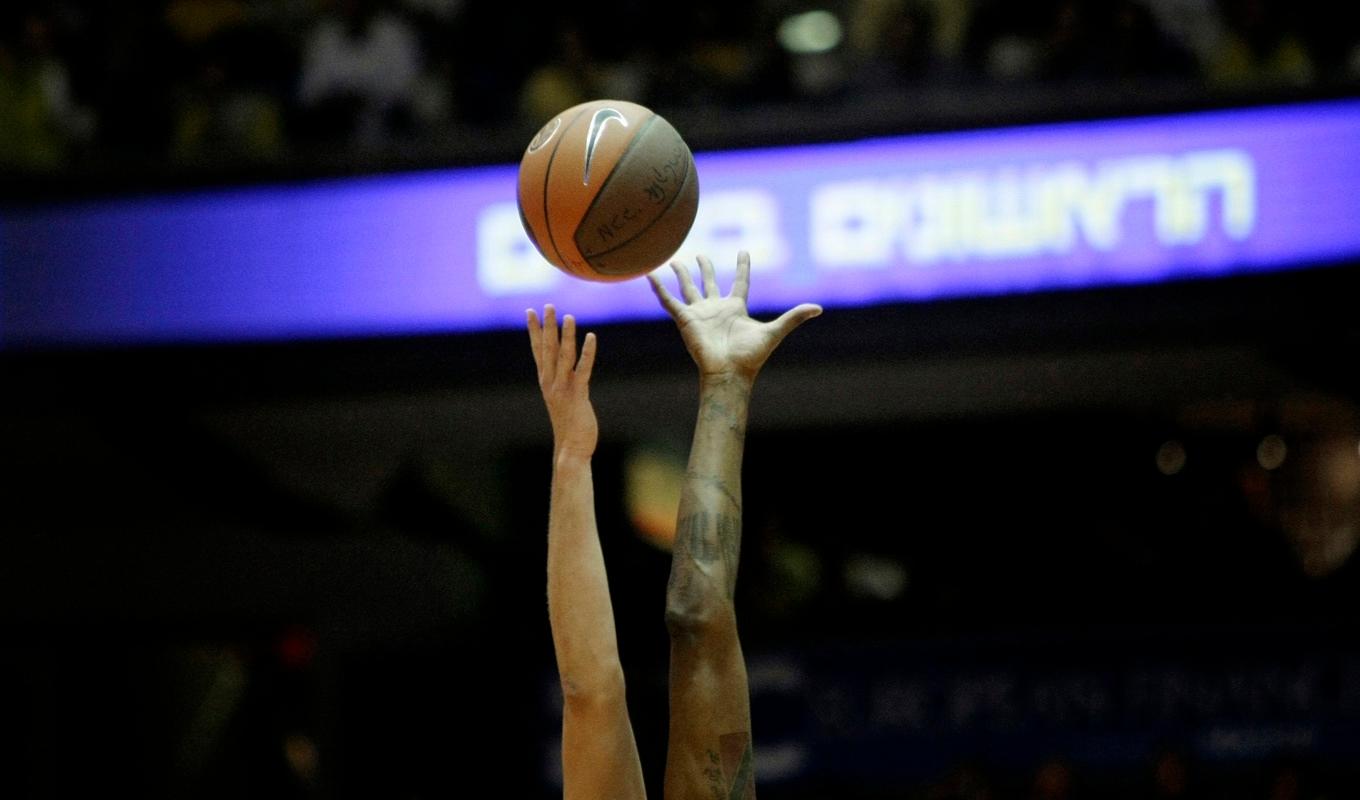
(737, 767)
(718, 483)
(729, 540)
(693, 531)
(714, 774)
(681, 587)
(701, 538)
(682, 590)
(713, 410)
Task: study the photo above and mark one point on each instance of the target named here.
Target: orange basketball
(607, 190)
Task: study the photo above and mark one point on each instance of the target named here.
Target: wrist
(727, 379)
(567, 457)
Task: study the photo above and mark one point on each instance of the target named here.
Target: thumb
(792, 319)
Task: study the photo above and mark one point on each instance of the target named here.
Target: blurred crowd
(185, 82)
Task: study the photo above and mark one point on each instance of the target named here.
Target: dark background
(317, 568)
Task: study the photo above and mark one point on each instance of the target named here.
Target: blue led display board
(1084, 204)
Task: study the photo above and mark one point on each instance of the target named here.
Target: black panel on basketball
(653, 251)
(646, 206)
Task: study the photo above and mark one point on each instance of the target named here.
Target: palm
(722, 337)
(717, 330)
(574, 425)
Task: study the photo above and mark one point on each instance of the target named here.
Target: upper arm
(599, 753)
(710, 750)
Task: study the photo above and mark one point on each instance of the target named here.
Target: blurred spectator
(588, 56)
(1261, 46)
(225, 106)
(1194, 25)
(724, 55)
(128, 58)
(227, 81)
(894, 43)
(562, 81)
(1074, 39)
(432, 100)
(1004, 40)
(359, 75)
(1139, 46)
(1071, 45)
(196, 21)
(40, 120)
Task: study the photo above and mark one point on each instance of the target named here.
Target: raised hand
(718, 331)
(565, 381)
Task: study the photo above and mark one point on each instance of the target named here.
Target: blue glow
(889, 220)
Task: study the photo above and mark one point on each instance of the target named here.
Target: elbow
(696, 603)
(690, 618)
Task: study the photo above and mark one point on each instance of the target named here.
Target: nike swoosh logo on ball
(597, 123)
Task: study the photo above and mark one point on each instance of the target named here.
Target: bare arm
(710, 751)
(599, 753)
(729, 348)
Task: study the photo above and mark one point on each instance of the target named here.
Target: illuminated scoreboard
(1072, 205)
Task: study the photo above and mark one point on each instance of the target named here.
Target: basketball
(607, 190)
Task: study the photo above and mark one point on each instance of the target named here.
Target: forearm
(579, 609)
(708, 528)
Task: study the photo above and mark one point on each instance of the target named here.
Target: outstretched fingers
(566, 353)
(741, 285)
(587, 363)
(548, 345)
(535, 336)
(668, 301)
(710, 277)
(687, 288)
(554, 352)
(543, 342)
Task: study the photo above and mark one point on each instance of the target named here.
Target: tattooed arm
(599, 753)
(710, 752)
